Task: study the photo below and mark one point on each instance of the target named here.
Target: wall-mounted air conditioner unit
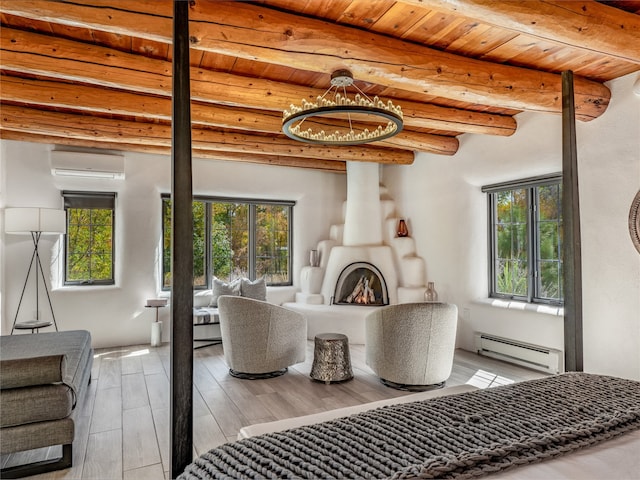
(92, 165)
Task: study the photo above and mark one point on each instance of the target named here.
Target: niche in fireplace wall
(361, 284)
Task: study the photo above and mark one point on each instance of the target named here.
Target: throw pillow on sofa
(256, 289)
(223, 288)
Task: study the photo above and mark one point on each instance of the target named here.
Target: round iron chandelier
(335, 119)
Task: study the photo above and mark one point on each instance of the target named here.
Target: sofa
(43, 382)
(277, 295)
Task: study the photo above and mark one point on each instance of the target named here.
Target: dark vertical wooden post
(181, 249)
(571, 249)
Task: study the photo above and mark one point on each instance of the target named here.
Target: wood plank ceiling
(97, 73)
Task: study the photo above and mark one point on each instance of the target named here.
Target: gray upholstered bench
(43, 378)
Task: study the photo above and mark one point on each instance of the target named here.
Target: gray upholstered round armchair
(260, 339)
(410, 346)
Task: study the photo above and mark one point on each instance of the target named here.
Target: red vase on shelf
(402, 229)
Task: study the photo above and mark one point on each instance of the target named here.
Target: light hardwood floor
(123, 430)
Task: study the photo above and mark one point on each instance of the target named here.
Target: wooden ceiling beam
(43, 122)
(271, 36)
(32, 53)
(585, 24)
(93, 99)
(335, 166)
(257, 33)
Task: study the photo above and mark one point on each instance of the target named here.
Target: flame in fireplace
(363, 293)
(360, 283)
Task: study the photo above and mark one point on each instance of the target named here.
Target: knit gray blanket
(458, 436)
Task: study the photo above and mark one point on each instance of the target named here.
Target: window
(89, 248)
(525, 240)
(235, 238)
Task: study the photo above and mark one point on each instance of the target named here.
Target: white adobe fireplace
(383, 267)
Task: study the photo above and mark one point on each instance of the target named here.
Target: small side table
(156, 327)
(331, 358)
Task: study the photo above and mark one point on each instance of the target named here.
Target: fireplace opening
(361, 284)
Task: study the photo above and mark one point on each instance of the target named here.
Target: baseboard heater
(532, 356)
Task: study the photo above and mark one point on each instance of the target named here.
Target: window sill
(84, 288)
(523, 306)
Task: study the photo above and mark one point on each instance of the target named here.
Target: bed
(572, 425)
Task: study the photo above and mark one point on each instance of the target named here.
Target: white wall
(115, 315)
(447, 215)
(439, 196)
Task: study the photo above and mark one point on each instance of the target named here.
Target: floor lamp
(35, 222)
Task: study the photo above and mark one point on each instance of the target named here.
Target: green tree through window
(549, 242)
(234, 239)
(89, 246)
(511, 242)
(272, 242)
(526, 240)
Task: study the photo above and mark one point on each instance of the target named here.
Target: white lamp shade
(53, 221)
(27, 220)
